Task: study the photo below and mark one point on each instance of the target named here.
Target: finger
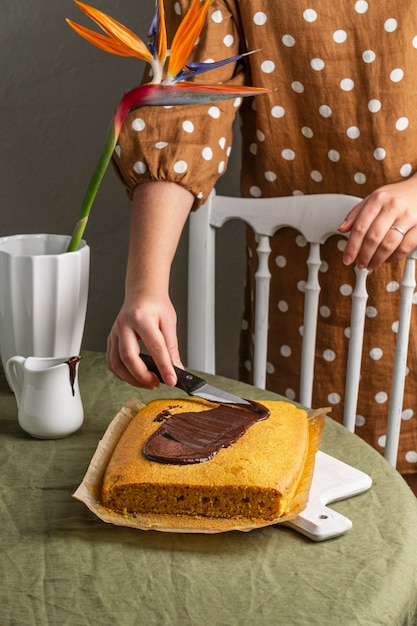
(347, 223)
(387, 246)
(169, 331)
(124, 362)
(379, 243)
(399, 241)
(405, 247)
(158, 349)
(364, 216)
(164, 364)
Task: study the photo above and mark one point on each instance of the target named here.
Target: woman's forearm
(159, 212)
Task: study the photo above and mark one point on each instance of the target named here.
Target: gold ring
(400, 230)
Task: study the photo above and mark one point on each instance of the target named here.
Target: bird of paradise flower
(165, 88)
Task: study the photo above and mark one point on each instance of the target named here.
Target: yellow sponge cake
(196, 458)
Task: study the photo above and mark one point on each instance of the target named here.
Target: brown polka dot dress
(342, 118)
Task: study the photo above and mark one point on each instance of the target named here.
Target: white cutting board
(332, 480)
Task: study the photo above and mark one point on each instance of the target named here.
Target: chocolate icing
(186, 438)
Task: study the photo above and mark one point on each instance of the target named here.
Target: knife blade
(194, 385)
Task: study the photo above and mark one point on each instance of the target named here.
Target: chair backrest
(316, 217)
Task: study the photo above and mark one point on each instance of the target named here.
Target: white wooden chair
(317, 218)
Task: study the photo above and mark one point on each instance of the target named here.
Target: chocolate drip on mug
(72, 364)
(196, 437)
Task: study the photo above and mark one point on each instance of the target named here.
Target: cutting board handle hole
(323, 517)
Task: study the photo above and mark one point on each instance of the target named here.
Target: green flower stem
(92, 189)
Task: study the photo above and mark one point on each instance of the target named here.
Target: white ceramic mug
(47, 395)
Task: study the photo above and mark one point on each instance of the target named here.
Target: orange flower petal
(117, 31)
(186, 36)
(162, 34)
(101, 41)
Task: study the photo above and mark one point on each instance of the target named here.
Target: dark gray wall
(57, 96)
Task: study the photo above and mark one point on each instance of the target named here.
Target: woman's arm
(159, 212)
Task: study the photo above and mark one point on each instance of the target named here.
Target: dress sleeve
(189, 145)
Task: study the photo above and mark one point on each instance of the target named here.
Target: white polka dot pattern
(341, 117)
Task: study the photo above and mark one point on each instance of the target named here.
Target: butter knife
(193, 385)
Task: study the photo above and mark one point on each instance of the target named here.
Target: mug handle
(15, 373)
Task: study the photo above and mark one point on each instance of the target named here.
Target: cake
(254, 472)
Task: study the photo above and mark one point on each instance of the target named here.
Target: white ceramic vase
(43, 296)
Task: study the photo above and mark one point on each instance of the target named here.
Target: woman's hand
(383, 227)
(159, 212)
(153, 322)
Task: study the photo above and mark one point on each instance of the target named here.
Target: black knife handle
(185, 380)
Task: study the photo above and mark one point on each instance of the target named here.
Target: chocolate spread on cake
(188, 437)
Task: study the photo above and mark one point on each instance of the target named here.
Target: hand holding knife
(193, 385)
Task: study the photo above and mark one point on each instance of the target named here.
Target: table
(61, 565)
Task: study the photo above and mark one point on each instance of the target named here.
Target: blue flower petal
(153, 32)
(194, 68)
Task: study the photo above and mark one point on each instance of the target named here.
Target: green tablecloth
(60, 565)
